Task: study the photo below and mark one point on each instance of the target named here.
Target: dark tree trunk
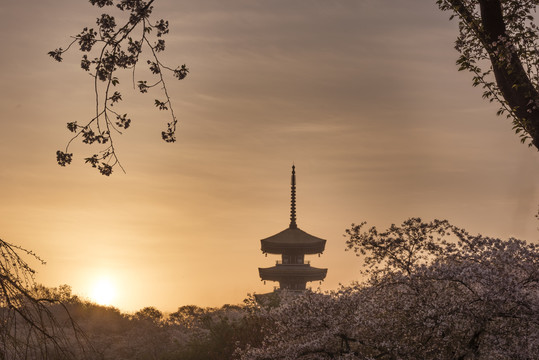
(511, 77)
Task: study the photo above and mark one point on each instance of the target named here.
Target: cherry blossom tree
(498, 44)
(106, 50)
(433, 291)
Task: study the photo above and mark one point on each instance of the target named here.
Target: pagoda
(292, 271)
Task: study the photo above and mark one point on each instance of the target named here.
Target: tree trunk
(511, 77)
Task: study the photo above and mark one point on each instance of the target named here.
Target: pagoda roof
(281, 272)
(293, 240)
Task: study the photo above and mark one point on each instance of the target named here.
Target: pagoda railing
(276, 288)
(280, 262)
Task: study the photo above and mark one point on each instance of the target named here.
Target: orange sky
(362, 95)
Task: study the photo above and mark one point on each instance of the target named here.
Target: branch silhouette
(118, 47)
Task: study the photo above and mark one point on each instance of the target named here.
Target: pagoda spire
(293, 224)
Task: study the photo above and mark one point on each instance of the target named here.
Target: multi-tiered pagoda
(292, 271)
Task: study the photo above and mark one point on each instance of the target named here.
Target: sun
(103, 292)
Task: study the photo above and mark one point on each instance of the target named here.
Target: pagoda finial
(293, 224)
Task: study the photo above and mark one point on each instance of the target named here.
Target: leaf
(161, 105)
(56, 54)
(105, 169)
(92, 160)
(72, 126)
(63, 158)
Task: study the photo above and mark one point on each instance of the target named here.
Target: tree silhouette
(106, 50)
(29, 326)
(498, 44)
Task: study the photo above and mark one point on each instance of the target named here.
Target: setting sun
(103, 292)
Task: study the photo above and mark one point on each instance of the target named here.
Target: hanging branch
(29, 321)
(118, 48)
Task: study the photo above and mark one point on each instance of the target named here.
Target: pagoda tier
(297, 273)
(293, 241)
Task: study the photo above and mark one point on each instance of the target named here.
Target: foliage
(29, 327)
(433, 292)
(190, 333)
(217, 333)
(498, 44)
(106, 50)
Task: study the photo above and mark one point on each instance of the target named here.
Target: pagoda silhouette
(292, 271)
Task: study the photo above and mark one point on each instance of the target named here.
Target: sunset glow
(363, 96)
(103, 292)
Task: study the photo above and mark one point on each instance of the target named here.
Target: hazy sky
(363, 96)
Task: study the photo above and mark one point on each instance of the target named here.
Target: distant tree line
(190, 333)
